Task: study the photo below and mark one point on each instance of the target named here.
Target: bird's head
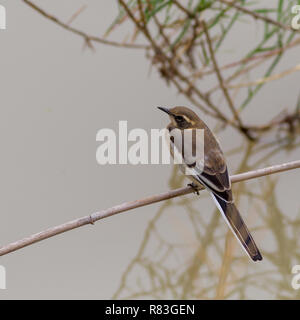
(182, 117)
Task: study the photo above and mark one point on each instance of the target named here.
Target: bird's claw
(194, 187)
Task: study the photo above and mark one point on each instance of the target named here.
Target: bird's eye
(179, 119)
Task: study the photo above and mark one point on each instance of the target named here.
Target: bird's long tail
(238, 227)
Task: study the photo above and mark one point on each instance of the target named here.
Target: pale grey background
(54, 98)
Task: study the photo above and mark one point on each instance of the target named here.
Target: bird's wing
(204, 161)
(214, 176)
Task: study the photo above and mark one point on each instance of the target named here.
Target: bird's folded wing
(218, 183)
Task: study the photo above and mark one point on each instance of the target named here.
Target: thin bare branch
(91, 219)
(182, 8)
(87, 37)
(262, 56)
(76, 14)
(265, 79)
(219, 76)
(256, 15)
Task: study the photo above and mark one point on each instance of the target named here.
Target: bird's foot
(194, 186)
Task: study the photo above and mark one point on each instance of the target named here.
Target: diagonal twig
(76, 14)
(265, 79)
(257, 16)
(91, 219)
(84, 35)
(219, 76)
(262, 56)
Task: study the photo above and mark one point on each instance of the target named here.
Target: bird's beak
(166, 110)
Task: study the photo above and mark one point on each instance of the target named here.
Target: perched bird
(211, 172)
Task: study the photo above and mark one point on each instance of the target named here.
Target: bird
(210, 172)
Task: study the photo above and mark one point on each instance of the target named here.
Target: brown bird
(210, 172)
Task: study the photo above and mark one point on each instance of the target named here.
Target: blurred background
(59, 87)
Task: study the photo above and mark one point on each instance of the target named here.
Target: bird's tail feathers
(234, 220)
